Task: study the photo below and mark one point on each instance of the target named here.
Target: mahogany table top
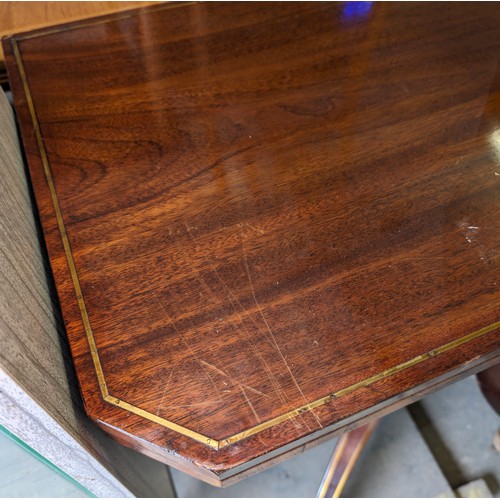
(267, 222)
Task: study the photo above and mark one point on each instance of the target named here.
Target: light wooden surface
(22, 16)
(39, 397)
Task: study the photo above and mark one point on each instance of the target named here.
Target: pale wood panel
(39, 395)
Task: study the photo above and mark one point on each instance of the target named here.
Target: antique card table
(268, 223)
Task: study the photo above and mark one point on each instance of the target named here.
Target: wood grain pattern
(278, 219)
(39, 396)
(21, 16)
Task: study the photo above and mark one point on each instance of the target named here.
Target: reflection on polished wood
(22, 16)
(267, 223)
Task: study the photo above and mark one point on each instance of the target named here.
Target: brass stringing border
(213, 443)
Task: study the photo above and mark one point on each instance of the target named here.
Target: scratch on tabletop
(249, 403)
(224, 374)
(165, 390)
(269, 328)
(193, 405)
(237, 331)
(188, 346)
(254, 228)
(277, 387)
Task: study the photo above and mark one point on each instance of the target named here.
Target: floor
(433, 448)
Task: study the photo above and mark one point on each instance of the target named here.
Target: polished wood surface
(21, 16)
(267, 223)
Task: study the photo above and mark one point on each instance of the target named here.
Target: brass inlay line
(60, 223)
(76, 282)
(363, 383)
(213, 443)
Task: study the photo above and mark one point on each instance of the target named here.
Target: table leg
(343, 460)
(489, 382)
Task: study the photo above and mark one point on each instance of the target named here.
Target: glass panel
(26, 473)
